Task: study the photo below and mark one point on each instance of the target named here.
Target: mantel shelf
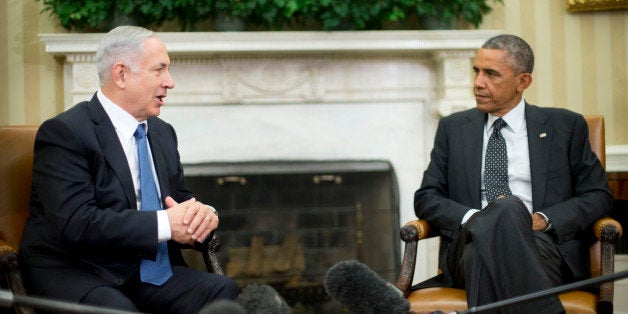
(291, 41)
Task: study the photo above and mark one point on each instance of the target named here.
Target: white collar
(515, 118)
(124, 123)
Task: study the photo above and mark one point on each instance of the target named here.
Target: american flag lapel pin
(543, 135)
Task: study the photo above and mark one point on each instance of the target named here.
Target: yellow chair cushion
(450, 300)
(432, 299)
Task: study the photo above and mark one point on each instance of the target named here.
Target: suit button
(119, 281)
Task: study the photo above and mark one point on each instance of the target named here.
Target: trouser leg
(503, 260)
(187, 291)
(109, 297)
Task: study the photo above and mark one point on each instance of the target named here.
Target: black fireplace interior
(286, 223)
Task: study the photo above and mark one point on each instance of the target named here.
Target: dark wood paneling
(618, 182)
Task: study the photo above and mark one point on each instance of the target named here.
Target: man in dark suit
(513, 220)
(85, 238)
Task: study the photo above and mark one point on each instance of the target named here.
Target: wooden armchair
(602, 253)
(16, 164)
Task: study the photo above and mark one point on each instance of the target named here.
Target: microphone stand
(7, 299)
(546, 293)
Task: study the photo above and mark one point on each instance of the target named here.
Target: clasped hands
(191, 220)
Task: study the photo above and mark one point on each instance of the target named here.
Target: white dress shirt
(125, 125)
(516, 135)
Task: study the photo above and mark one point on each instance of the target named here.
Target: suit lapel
(472, 150)
(112, 149)
(158, 159)
(539, 142)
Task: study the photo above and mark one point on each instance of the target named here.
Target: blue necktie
(158, 271)
(496, 164)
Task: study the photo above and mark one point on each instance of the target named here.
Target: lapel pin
(542, 135)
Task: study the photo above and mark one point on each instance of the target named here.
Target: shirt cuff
(163, 226)
(468, 215)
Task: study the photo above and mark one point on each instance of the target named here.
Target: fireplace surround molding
(304, 96)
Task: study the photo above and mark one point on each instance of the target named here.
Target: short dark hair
(520, 53)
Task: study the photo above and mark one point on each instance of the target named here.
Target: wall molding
(617, 158)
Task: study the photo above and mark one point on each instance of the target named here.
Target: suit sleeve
(81, 198)
(433, 200)
(590, 197)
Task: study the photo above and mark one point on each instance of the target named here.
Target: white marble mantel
(273, 96)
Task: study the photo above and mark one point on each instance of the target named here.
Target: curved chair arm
(411, 233)
(11, 274)
(608, 231)
(208, 249)
(419, 228)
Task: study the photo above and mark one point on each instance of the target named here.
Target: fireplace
(334, 103)
(286, 223)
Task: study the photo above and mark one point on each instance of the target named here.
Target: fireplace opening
(286, 223)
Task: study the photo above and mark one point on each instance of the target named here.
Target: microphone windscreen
(262, 299)
(362, 290)
(223, 307)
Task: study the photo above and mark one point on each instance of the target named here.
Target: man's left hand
(539, 223)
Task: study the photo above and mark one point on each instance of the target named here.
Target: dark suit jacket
(569, 184)
(84, 228)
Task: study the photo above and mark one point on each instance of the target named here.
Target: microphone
(254, 299)
(223, 307)
(262, 299)
(362, 290)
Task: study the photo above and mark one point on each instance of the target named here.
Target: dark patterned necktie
(158, 271)
(496, 164)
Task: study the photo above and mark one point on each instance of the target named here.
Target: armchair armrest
(208, 249)
(8, 257)
(411, 233)
(11, 275)
(416, 228)
(607, 231)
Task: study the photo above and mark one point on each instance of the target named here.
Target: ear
(119, 74)
(525, 80)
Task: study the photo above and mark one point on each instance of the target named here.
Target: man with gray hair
(513, 188)
(109, 205)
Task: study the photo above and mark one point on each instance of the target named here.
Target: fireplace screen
(286, 223)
